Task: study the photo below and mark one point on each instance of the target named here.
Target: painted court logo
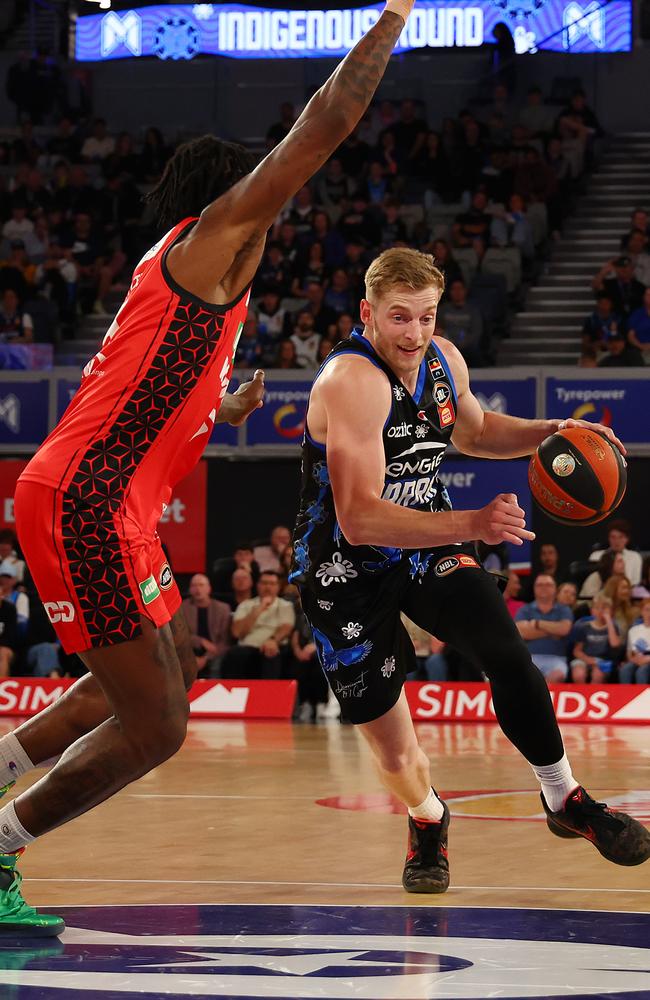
(149, 590)
(366, 953)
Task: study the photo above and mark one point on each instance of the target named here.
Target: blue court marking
(337, 952)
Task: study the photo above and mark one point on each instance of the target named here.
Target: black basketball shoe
(617, 836)
(427, 865)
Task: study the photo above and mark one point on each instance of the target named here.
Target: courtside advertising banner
(627, 704)
(26, 696)
(10, 469)
(449, 702)
(285, 31)
(516, 397)
(182, 527)
(621, 403)
(282, 418)
(24, 411)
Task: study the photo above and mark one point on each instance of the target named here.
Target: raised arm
(355, 394)
(225, 246)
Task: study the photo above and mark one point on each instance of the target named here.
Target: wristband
(401, 7)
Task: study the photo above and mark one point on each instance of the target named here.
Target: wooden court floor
(281, 813)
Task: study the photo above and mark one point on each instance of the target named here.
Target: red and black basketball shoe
(427, 864)
(617, 836)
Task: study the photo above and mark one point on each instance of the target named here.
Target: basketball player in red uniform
(88, 503)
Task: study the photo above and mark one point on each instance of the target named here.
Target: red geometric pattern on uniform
(90, 517)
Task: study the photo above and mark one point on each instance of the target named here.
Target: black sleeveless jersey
(415, 436)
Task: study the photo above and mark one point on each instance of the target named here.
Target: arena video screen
(183, 31)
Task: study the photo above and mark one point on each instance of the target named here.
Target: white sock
(13, 834)
(13, 759)
(431, 809)
(557, 782)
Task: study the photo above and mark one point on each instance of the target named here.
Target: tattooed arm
(231, 231)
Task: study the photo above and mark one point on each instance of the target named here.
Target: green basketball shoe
(5, 788)
(17, 918)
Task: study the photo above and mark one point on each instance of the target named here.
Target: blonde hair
(402, 266)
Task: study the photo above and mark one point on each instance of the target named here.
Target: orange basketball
(577, 476)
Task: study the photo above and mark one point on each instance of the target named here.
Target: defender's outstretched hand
(503, 520)
(250, 397)
(563, 425)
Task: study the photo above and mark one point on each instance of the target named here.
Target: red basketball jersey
(147, 402)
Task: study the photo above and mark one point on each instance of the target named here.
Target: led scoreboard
(182, 31)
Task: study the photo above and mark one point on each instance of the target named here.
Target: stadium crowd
(486, 192)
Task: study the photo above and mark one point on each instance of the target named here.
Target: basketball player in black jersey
(376, 535)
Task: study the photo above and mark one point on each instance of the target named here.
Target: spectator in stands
(511, 228)
(42, 654)
(645, 572)
(9, 592)
(389, 155)
(410, 131)
(446, 262)
(280, 129)
(639, 327)
(472, 228)
(8, 636)
(209, 623)
(623, 288)
(18, 227)
(610, 563)
(597, 642)
(333, 188)
(567, 593)
(268, 556)
(392, 227)
(305, 340)
(511, 593)
(504, 56)
(625, 613)
(16, 326)
(636, 249)
(261, 627)
(65, 141)
(470, 156)
(333, 242)
(274, 272)
(636, 669)
(311, 269)
(19, 86)
(638, 223)
(99, 145)
(8, 554)
(153, 156)
(324, 349)
(285, 356)
(301, 212)
(272, 324)
(124, 159)
(337, 294)
(621, 354)
(324, 316)
(241, 584)
(224, 568)
(544, 625)
(354, 153)
(17, 271)
(377, 184)
(249, 349)
(98, 267)
(312, 684)
(25, 150)
(462, 323)
(536, 117)
(602, 324)
(287, 240)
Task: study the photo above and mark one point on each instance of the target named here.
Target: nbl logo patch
(441, 393)
(166, 577)
(451, 563)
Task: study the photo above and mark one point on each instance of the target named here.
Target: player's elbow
(353, 530)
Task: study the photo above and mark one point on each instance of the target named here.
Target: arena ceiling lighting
(183, 31)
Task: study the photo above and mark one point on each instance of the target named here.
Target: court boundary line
(329, 885)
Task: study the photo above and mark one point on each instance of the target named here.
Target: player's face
(400, 327)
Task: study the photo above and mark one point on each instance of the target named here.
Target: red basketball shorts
(95, 572)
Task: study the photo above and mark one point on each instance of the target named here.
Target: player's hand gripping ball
(577, 476)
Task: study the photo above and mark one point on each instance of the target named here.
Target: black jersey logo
(441, 393)
(447, 565)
